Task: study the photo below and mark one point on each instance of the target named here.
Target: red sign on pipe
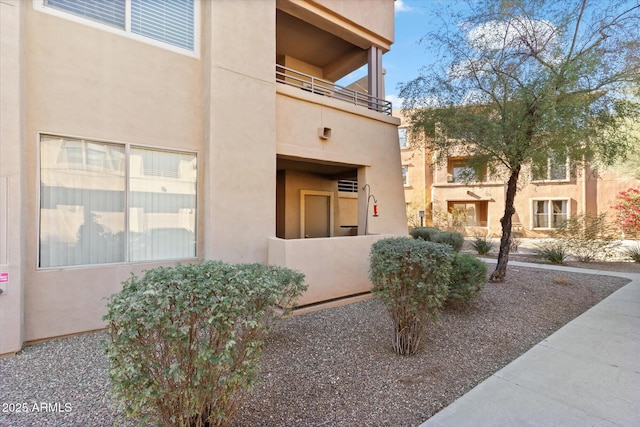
(4, 277)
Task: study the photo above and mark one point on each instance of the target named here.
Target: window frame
(480, 175)
(549, 200)
(549, 168)
(405, 176)
(403, 138)
(127, 190)
(480, 212)
(41, 6)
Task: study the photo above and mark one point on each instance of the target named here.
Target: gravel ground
(329, 368)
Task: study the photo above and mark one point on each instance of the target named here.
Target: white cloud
(516, 34)
(395, 100)
(400, 6)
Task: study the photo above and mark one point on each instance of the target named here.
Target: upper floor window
(167, 21)
(402, 136)
(405, 175)
(556, 168)
(460, 170)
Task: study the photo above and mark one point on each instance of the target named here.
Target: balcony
(309, 83)
(334, 268)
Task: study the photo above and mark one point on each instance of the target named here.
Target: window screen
(110, 12)
(169, 21)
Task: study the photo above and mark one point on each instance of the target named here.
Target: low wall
(334, 267)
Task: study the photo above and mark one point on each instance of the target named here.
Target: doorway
(316, 214)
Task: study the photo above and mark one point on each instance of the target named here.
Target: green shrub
(424, 233)
(184, 341)
(482, 245)
(410, 277)
(552, 251)
(451, 238)
(588, 237)
(633, 253)
(467, 279)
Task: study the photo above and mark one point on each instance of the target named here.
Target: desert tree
(514, 83)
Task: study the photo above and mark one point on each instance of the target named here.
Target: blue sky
(413, 20)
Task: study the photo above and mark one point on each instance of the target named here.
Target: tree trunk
(505, 242)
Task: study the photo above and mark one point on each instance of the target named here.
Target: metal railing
(318, 86)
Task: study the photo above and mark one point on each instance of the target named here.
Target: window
(167, 21)
(405, 175)
(550, 213)
(554, 169)
(96, 210)
(466, 213)
(459, 170)
(107, 12)
(402, 136)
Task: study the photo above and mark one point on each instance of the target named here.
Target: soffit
(310, 44)
(328, 169)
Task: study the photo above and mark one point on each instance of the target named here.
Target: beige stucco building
(127, 144)
(472, 201)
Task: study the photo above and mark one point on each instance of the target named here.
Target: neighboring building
(417, 177)
(133, 136)
(472, 200)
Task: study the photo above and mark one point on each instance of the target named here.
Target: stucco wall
(372, 15)
(296, 181)
(339, 265)
(240, 175)
(359, 137)
(86, 82)
(576, 190)
(72, 79)
(11, 174)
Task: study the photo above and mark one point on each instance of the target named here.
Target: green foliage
(451, 238)
(511, 90)
(410, 277)
(552, 251)
(185, 341)
(432, 234)
(467, 279)
(482, 245)
(633, 253)
(424, 233)
(588, 237)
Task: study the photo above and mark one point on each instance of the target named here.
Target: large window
(95, 210)
(550, 213)
(465, 213)
(167, 21)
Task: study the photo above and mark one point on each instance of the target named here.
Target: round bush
(424, 233)
(410, 277)
(451, 238)
(467, 279)
(184, 341)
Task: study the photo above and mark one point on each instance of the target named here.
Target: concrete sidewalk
(585, 374)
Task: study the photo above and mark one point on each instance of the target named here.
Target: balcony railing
(318, 86)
